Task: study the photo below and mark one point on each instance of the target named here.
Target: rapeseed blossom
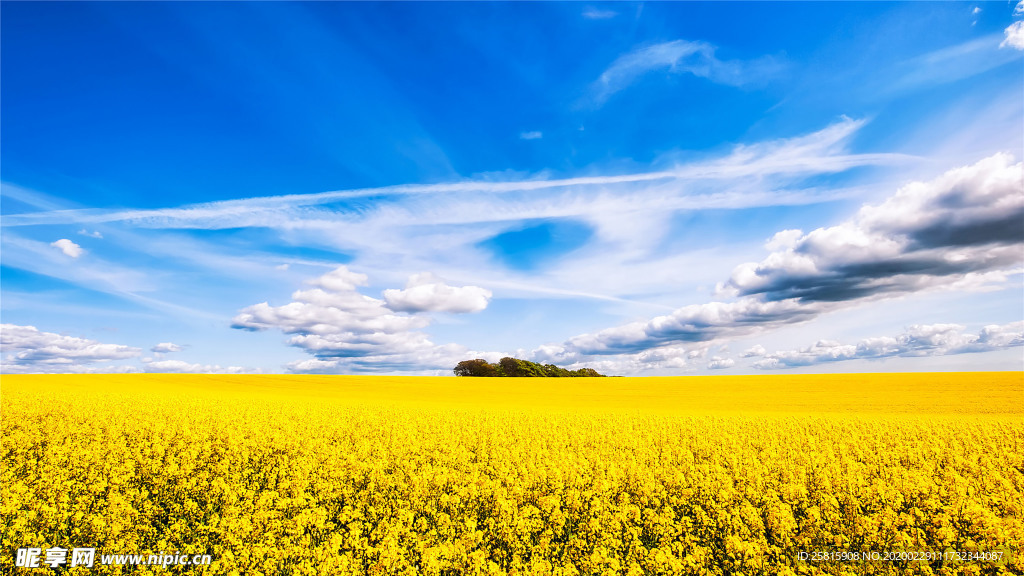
(279, 485)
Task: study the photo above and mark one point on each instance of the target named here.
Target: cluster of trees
(515, 367)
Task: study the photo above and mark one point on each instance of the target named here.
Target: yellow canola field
(282, 475)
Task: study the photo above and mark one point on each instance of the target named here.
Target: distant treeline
(515, 367)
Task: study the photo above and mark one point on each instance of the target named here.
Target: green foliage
(478, 367)
(514, 367)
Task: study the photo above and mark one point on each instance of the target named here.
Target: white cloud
(423, 357)
(341, 279)
(182, 367)
(68, 247)
(677, 57)
(696, 323)
(965, 225)
(591, 13)
(27, 349)
(69, 368)
(735, 180)
(93, 234)
(424, 292)
(165, 347)
(757, 350)
(128, 282)
(917, 340)
(1018, 10)
(672, 359)
(1014, 36)
(347, 331)
(281, 267)
(315, 366)
(439, 227)
(719, 363)
(969, 221)
(533, 135)
(976, 10)
(949, 64)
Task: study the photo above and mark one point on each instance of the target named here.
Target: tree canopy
(514, 367)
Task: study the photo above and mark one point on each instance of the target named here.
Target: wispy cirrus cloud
(774, 162)
(950, 64)
(592, 13)
(750, 175)
(441, 226)
(604, 188)
(680, 57)
(99, 274)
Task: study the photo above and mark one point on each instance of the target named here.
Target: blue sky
(644, 188)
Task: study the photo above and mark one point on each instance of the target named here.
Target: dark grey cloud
(694, 324)
(969, 220)
(961, 230)
(1007, 229)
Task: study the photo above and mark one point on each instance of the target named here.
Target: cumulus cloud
(182, 367)
(696, 323)
(423, 357)
(27, 349)
(917, 340)
(959, 231)
(665, 359)
(72, 368)
(68, 247)
(757, 350)
(719, 363)
(347, 331)
(532, 135)
(1014, 33)
(425, 292)
(679, 57)
(165, 347)
(93, 234)
(1014, 36)
(315, 366)
(966, 222)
